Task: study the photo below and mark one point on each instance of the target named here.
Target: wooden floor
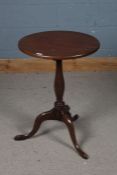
(41, 65)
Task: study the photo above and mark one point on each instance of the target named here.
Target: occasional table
(58, 46)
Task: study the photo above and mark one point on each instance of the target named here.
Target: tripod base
(60, 113)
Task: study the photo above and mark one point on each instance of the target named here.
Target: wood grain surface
(40, 65)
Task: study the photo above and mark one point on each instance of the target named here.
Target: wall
(22, 17)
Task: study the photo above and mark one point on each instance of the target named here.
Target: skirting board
(41, 65)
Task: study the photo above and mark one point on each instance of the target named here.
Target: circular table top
(58, 45)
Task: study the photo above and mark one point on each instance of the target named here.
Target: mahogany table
(58, 46)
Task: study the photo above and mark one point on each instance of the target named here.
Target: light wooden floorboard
(41, 65)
